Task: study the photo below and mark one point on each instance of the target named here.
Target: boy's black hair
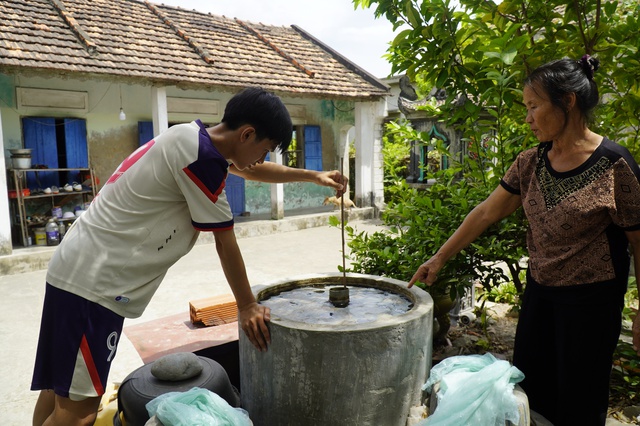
(262, 110)
(563, 76)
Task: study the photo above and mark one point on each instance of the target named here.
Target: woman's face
(546, 120)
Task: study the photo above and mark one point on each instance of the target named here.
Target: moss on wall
(297, 195)
(108, 149)
(300, 195)
(7, 91)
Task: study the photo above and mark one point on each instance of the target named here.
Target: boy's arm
(270, 172)
(252, 316)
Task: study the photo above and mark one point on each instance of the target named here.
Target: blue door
(312, 148)
(235, 194)
(40, 135)
(145, 132)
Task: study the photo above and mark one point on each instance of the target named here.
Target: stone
(153, 421)
(176, 367)
(465, 340)
(632, 412)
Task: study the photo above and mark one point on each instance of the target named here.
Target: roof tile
(142, 40)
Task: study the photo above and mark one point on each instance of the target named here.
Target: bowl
(68, 215)
(21, 162)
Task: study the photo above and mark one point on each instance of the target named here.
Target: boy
(146, 217)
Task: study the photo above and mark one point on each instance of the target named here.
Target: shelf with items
(32, 207)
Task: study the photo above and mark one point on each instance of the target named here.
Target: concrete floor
(291, 250)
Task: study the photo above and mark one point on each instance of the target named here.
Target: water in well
(311, 305)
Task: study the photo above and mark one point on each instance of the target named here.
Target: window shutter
(234, 188)
(75, 140)
(145, 132)
(75, 132)
(312, 148)
(40, 136)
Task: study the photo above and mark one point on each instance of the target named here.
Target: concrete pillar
(159, 110)
(5, 225)
(277, 191)
(343, 153)
(369, 187)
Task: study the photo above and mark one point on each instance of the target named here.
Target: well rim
(421, 300)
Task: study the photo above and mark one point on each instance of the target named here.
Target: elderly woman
(581, 195)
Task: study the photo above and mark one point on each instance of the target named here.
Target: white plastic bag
(474, 390)
(196, 407)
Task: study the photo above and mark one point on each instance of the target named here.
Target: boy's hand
(334, 179)
(253, 319)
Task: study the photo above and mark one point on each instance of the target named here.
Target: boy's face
(252, 151)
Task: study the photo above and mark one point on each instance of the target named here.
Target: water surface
(311, 305)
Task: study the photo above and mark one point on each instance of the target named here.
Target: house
(407, 105)
(83, 84)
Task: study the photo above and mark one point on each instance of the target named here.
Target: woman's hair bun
(589, 65)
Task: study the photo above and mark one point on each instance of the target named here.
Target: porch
(35, 258)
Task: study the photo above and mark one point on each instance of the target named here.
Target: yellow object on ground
(108, 406)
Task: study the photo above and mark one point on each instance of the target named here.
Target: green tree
(477, 45)
(480, 52)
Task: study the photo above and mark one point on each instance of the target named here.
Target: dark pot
(140, 387)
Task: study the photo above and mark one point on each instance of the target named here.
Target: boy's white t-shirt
(146, 217)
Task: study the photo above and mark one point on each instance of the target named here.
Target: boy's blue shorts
(78, 341)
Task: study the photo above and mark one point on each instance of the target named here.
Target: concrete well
(368, 373)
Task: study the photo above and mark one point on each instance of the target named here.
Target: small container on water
(339, 296)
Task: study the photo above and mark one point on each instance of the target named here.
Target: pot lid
(21, 151)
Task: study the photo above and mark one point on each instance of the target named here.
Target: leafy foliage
(480, 52)
(395, 154)
(503, 293)
(420, 222)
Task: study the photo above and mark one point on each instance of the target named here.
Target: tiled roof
(136, 40)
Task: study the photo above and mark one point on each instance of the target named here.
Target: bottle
(53, 233)
(56, 211)
(62, 230)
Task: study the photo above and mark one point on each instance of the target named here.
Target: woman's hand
(427, 273)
